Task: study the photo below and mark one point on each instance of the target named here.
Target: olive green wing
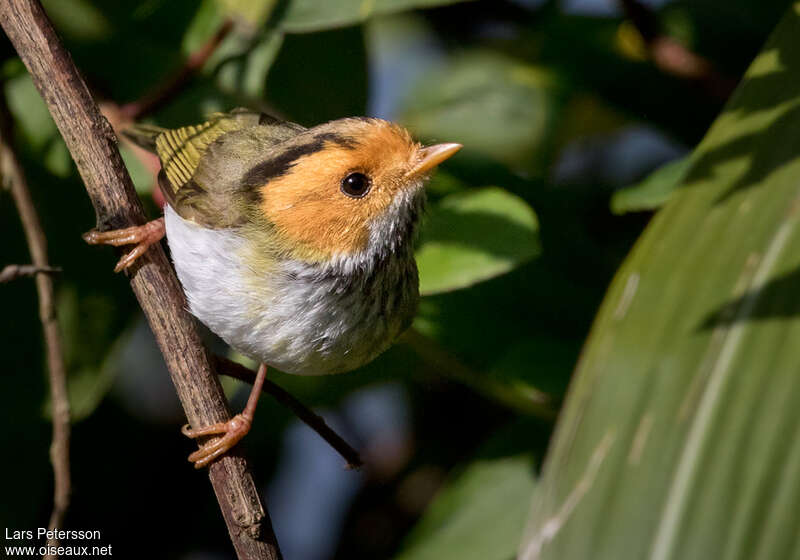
(199, 162)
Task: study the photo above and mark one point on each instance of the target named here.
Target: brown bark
(11, 171)
(93, 146)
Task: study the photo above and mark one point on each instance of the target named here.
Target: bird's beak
(431, 156)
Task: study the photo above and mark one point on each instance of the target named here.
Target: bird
(292, 244)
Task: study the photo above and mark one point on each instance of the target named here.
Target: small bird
(293, 244)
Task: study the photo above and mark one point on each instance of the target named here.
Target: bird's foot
(232, 431)
(142, 236)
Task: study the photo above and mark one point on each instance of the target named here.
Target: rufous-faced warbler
(293, 244)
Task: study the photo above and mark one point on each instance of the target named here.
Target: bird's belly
(298, 323)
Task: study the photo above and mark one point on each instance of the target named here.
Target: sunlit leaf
(206, 22)
(30, 113)
(474, 236)
(247, 63)
(254, 12)
(313, 15)
(655, 190)
(33, 120)
(679, 438)
(477, 516)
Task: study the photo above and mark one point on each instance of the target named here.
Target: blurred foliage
(500, 108)
(314, 15)
(526, 228)
(653, 191)
(473, 236)
(466, 521)
(687, 389)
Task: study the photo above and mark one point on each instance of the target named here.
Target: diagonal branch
(93, 146)
(159, 97)
(314, 421)
(11, 171)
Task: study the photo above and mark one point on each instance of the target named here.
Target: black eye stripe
(263, 172)
(356, 185)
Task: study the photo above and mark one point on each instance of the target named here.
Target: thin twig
(671, 57)
(11, 171)
(13, 271)
(162, 94)
(305, 414)
(122, 116)
(93, 145)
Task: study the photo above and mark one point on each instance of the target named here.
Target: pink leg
(142, 236)
(233, 430)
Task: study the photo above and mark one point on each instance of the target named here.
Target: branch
(122, 116)
(159, 97)
(93, 146)
(12, 174)
(305, 414)
(671, 57)
(13, 271)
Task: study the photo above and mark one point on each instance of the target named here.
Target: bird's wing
(199, 162)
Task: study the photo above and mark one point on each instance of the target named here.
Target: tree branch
(135, 110)
(11, 171)
(672, 57)
(305, 414)
(93, 146)
(13, 271)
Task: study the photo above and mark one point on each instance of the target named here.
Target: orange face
(322, 202)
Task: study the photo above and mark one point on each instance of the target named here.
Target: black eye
(356, 185)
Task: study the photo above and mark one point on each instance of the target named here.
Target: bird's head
(348, 188)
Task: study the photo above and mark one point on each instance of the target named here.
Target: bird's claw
(232, 432)
(142, 236)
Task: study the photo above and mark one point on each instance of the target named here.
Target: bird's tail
(144, 135)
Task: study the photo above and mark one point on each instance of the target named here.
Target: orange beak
(431, 156)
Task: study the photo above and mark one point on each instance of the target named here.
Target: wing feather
(186, 159)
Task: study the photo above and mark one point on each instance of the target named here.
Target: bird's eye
(356, 185)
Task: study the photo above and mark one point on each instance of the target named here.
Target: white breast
(298, 318)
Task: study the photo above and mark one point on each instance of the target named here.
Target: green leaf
(477, 516)
(87, 383)
(33, 120)
(142, 177)
(255, 12)
(314, 15)
(523, 377)
(474, 236)
(496, 106)
(247, 64)
(78, 19)
(205, 23)
(527, 375)
(30, 113)
(654, 191)
(679, 437)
